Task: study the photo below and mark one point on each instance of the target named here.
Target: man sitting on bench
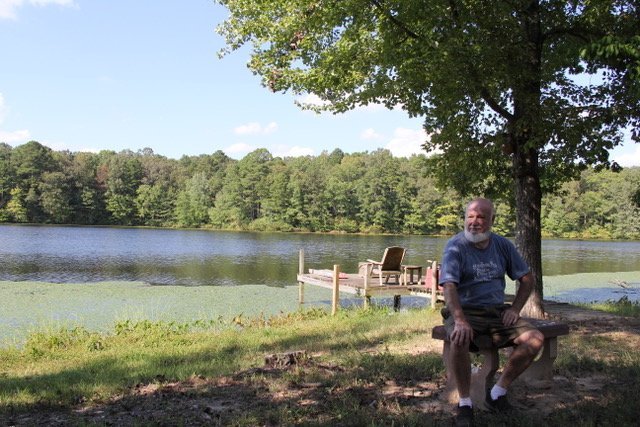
(474, 264)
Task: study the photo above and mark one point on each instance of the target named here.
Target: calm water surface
(94, 276)
(208, 258)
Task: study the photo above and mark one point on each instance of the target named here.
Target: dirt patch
(271, 390)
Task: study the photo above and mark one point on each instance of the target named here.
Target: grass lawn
(375, 367)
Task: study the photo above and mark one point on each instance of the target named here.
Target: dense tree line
(360, 192)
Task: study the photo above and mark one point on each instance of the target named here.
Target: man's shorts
(487, 324)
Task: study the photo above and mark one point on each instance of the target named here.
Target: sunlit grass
(70, 365)
(63, 368)
(622, 307)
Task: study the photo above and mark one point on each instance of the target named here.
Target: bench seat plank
(548, 327)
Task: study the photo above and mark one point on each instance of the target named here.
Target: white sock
(497, 391)
(465, 401)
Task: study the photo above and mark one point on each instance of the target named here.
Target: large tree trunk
(528, 230)
(525, 133)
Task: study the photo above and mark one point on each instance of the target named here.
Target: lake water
(212, 258)
(150, 272)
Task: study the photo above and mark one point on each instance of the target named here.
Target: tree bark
(528, 230)
(525, 133)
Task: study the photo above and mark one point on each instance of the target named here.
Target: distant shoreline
(334, 232)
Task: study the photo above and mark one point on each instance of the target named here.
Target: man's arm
(512, 314)
(462, 332)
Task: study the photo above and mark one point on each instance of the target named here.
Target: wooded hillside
(360, 192)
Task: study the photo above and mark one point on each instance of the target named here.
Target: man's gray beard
(478, 237)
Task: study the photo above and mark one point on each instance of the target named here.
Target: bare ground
(269, 389)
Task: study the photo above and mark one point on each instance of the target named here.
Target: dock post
(336, 289)
(301, 271)
(367, 298)
(434, 283)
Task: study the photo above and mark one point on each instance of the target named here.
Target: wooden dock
(367, 287)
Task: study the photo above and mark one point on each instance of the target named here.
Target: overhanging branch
(395, 20)
(494, 105)
(474, 75)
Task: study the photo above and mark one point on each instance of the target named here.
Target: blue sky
(88, 75)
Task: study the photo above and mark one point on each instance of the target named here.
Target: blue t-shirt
(479, 273)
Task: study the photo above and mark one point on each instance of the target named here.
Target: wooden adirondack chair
(389, 265)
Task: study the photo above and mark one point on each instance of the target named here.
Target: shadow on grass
(370, 389)
(347, 380)
(312, 393)
(99, 373)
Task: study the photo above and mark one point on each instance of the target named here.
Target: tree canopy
(500, 85)
(370, 192)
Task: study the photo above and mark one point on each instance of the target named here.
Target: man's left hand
(510, 316)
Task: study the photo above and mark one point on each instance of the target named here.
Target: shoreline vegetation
(368, 192)
(545, 236)
(97, 306)
(360, 367)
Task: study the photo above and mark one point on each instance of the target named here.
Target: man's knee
(459, 353)
(533, 340)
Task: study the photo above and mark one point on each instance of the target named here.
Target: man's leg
(459, 365)
(527, 346)
(460, 361)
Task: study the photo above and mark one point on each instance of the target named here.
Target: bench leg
(542, 368)
(434, 295)
(482, 378)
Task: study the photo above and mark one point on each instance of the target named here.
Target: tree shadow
(370, 387)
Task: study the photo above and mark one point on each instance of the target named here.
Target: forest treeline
(370, 192)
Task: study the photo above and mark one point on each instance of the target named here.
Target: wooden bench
(482, 378)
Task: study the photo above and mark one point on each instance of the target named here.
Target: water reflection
(579, 256)
(206, 258)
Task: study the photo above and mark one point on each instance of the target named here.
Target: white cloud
(248, 129)
(61, 146)
(255, 128)
(314, 100)
(239, 150)
(371, 108)
(295, 151)
(311, 99)
(48, 2)
(15, 137)
(270, 128)
(406, 142)
(9, 8)
(628, 157)
(371, 135)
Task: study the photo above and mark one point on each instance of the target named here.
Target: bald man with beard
(473, 269)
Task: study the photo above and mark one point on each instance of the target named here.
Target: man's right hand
(462, 333)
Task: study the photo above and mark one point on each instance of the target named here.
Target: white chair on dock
(389, 265)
